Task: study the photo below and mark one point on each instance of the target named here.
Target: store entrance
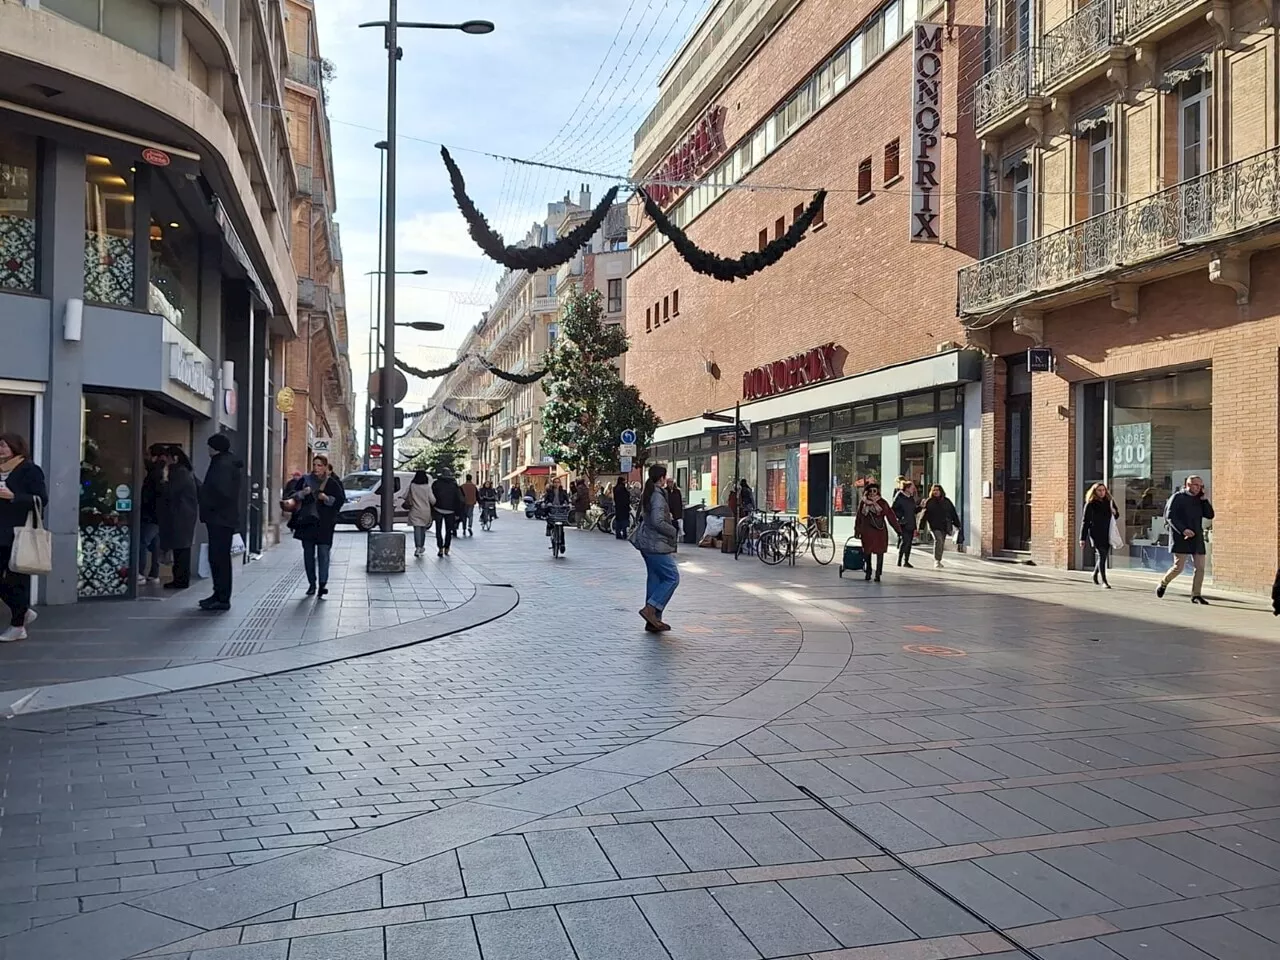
(820, 485)
(1017, 456)
(919, 464)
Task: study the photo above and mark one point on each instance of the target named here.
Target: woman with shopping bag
(23, 540)
(1101, 529)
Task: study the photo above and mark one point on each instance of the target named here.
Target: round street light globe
(477, 26)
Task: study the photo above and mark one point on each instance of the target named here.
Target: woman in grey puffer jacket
(656, 541)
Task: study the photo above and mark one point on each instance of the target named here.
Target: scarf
(870, 508)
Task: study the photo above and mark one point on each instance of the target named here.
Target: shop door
(1017, 473)
(919, 464)
(110, 461)
(820, 485)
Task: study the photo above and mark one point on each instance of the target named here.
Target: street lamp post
(375, 323)
(385, 555)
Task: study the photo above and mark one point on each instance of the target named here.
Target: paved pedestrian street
(972, 762)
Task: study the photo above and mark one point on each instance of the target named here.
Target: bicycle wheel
(604, 523)
(823, 548)
(557, 545)
(774, 546)
(743, 537)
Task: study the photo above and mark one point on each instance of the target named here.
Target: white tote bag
(32, 551)
(1116, 537)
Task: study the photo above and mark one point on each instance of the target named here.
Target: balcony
(312, 295)
(304, 180)
(1138, 19)
(1230, 200)
(1001, 94)
(304, 70)
(1081, 41)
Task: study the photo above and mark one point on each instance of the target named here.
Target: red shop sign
(780, 376)
(690, 160)
(157, 158)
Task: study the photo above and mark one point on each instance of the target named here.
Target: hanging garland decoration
(430, 374)
(511, 377)
(532, 259)
(724, 268)
(468, 418)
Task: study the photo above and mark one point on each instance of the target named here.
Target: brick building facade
(1132, 182)
(806, 95)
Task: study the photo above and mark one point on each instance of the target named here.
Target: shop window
(18, 224)
(615, 296)
(775, 480)
(108, 233)
(853, 462)
(917, 405)
(947, 399)
(841, 419)
(779, 228)
(675, 303)
(891, 171)
(793, 428)
(108, 439)
(865, 413)
(864, 179)
(173, 290)
(887, 410)
(820, 423)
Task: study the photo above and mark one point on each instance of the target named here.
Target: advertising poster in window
(1131, 450)
(803, 484)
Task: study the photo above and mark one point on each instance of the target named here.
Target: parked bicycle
(750, 530)
(790, 539)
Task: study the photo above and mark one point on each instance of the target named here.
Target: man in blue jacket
(1188, 509)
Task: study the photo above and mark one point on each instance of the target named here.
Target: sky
(563, 82)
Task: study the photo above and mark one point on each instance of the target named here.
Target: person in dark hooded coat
(220, 511)
(177, 510)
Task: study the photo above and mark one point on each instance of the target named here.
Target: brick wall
(856, 281)
(1182, 321)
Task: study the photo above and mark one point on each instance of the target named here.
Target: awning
(533, 470)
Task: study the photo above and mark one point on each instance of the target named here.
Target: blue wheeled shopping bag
(853, 558)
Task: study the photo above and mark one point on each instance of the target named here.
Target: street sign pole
(737, 445)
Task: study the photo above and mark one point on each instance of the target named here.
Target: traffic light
(375, 423)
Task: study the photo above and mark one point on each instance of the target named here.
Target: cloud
(442, 233)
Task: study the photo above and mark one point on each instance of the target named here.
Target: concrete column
(62, 273)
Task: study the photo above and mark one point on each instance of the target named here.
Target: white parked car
(364, 498)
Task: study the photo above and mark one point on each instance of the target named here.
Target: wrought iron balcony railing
(1007, 87)
(1082, 37)
(1135, 16)
(1239, 196)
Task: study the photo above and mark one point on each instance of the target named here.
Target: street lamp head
(476, 27)
(430, 326)
(381, 145)
(417, 273)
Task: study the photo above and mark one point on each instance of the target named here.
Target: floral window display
(106, 496)
(17, 212)
(108, 233)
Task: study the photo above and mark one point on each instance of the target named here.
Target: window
(842, 418)
(820, 217)
(763, 240)
(1023, 205)
(917, 405)
(892, 22)
(820, 423)
(1195, 131)
(648, 319)
(864, 179)
(675, 303)
(108, 232)
(873, 39)
(173, 290)
(890, 162)
(795, 214)
(1025, 10)
(18, 180)
(856, 60)
(135, 23)
(615, 295)
(666, 309)
(551, 285)
(1099, 169)
(779, 228)
(887, 410)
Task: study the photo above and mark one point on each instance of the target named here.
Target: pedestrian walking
(621, 508)
(316, 500)
(656, 541)
(906, 507)
(514, 496)
(941, 518)
(470, 497)
(22, 488)
(419, 500)
(220, 511)
(746, 499)
(447, 506)
(1100, 516)
(1188, 509)
(871, 526)
(676, 502)
(581, 501)
(177, 510)
(149, 523)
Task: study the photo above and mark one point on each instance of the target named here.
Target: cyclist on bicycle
(555, 495)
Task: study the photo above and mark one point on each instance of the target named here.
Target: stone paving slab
(1086, 796)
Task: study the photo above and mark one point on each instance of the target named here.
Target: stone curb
(488, 603)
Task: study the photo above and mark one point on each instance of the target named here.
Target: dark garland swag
(531, 259)
(512, 377)
(468, 418)
(429, 374)
(724, 268)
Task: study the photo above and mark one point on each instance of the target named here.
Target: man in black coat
(220, 511)
(177, 510)
(148, 506)
(1188, 509)
(449, 506)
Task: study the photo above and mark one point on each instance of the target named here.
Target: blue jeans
(419, 537)
(149, 540)
(662, 581)
(311, 552)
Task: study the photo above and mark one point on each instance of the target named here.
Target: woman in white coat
(418, 501)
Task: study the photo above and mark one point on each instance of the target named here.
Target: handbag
(1115, 536)
(32, 551)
